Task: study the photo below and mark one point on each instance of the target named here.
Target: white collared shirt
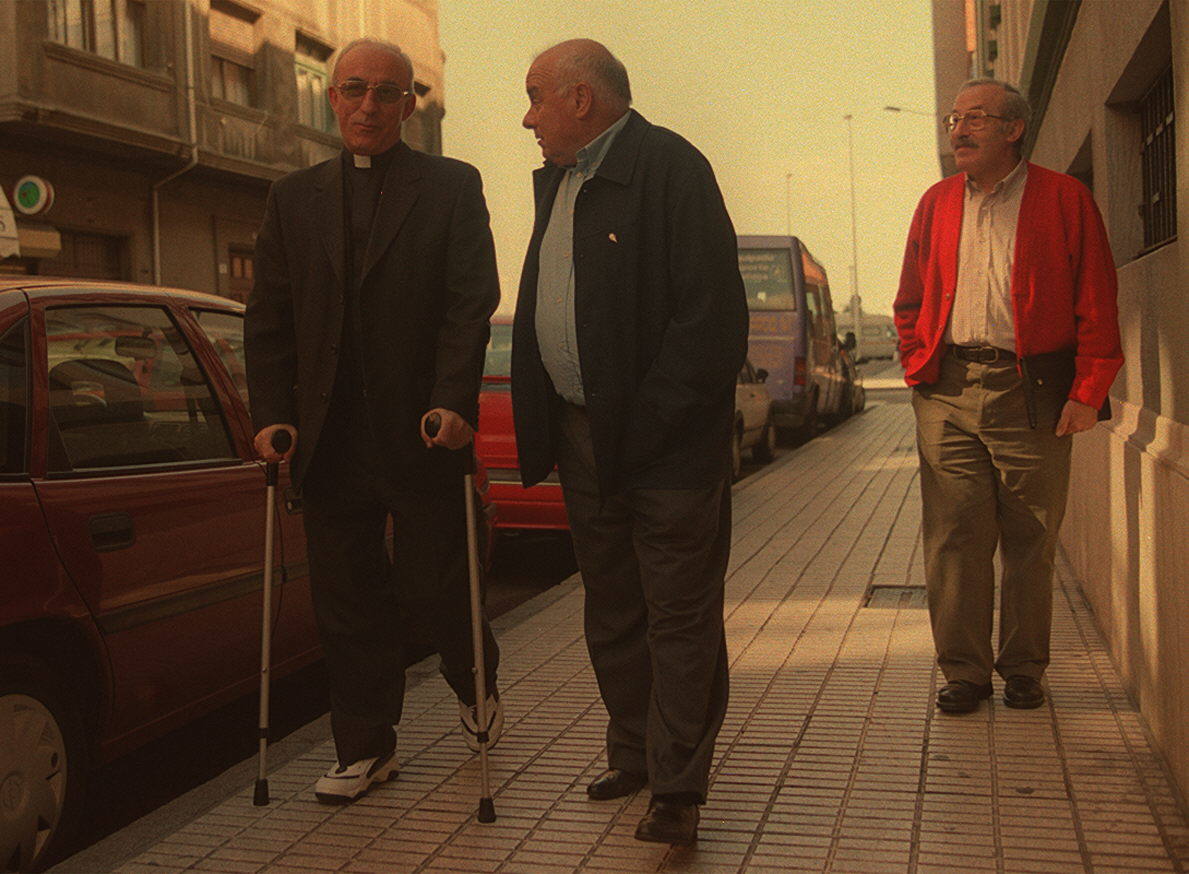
(982, 312)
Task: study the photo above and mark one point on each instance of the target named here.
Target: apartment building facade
(1109, 87)
(159, 125)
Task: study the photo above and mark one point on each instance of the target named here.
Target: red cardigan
(1063, 283)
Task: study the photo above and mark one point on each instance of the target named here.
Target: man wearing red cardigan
(1009, 336)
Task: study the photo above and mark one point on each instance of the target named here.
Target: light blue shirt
(557, 335)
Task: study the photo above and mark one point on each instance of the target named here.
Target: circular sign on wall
(32, 195)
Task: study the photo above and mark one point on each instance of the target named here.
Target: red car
(541, 506)
(131, 537)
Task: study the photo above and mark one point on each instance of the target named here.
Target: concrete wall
(1125, 529)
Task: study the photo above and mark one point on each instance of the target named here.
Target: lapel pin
(611, 236)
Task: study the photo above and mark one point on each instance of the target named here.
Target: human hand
(453, 431)
(1075, 417)
(263, 443)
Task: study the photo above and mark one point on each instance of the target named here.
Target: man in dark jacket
(375, 279)
(630, 330)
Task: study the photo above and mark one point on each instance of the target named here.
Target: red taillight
(799, 370)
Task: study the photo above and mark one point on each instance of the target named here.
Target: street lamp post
(855, 300)
(909, 111)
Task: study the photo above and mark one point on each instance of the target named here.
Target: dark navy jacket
(661, 318)
(429, 286)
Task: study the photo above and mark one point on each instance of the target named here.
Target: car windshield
(499, 352)
(768, 277)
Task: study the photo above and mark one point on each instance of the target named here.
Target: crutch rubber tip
(260, 796)
(486, 810)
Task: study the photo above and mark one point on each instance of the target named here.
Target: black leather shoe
(614, 783)
(1023, 693)
(669, 822)
(961, 696)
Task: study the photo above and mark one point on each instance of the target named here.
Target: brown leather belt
(982, 354)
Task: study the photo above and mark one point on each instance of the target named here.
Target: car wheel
(846, 407)
(736, 454)
(765, 450)
(808, 428)
(42, 768)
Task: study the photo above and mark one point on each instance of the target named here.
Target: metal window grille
(1158, 156)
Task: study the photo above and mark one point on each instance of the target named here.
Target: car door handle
(110, 531)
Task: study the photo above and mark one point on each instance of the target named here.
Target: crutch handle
(433, 424)
(281, 441)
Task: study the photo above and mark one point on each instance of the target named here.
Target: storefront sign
(33, 195)
(8, 229)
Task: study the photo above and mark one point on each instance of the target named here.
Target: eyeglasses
(975, 119)
(386, 92)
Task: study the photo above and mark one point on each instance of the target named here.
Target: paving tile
(831, 756)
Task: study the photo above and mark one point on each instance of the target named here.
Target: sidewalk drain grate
(895, 597)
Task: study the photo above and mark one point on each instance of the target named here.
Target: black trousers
(366, 605)
(653, 564)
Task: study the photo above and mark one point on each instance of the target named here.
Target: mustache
(963, 141)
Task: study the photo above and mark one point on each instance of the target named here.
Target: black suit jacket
(661, 317)
(428, 290)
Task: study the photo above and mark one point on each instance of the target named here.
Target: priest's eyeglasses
(975, 119)
(386, 92)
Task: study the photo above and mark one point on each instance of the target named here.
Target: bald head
(588, 62)
(576, 90)
(376, 45)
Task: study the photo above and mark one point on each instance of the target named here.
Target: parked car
(878, 338)
(755, 426)
(540, 507)
(131, 537)
(792, 331)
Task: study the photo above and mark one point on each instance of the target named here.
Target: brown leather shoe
(614, 783)
(669, 822)
(1023, 693)
(961, 696)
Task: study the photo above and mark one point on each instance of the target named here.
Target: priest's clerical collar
(370, 162)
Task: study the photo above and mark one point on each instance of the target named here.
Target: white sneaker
(470, 723)
(343, 784)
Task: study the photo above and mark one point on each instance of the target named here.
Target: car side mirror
(761, 374)
(849, 343)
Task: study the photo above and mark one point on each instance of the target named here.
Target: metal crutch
(281, 441)
(486, 805)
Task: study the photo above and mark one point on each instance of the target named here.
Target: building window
(1158, 155)
(110, 28)
(87, 256)
(240, 272)
(309, 63)
(233, 53)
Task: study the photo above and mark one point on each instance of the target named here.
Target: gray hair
(1015, 105)
(390, 47)
(600, 69)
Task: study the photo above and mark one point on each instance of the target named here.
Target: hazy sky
(760, 87)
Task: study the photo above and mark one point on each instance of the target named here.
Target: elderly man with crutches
(375, 279)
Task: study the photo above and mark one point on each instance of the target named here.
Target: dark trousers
(653, 564)
(364, 603)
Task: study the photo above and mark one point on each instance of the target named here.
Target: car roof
(36, 286)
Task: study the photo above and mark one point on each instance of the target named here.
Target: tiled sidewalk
(832, 757)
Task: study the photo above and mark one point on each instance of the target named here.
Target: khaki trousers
(989, 480)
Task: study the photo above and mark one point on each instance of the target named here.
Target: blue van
(793, 333)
